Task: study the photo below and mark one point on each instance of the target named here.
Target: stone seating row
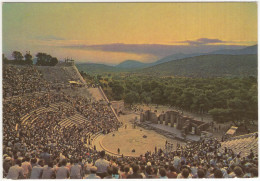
(243, 145)
(77, 119)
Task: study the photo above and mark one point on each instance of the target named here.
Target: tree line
(226, 99)
(43, 59)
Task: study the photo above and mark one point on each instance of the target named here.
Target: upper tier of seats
(60, 74)
(19, 80)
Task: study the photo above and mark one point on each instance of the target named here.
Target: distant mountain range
(245, 51)
(206, 66)
(137, 64)
(211, 61)
(174, 57)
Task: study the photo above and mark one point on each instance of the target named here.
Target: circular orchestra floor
(128, 139)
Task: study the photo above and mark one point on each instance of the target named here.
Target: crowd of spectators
(21, 80)
(24, 141)
(18, 80)
(200, 160)
(40, 147)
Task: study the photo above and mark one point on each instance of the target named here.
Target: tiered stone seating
(65, 105)
(55, 106)
(34, 120)
(20, 80)
(25, 118)
(242, 144)
(78, 119)
(43, 109)
(60, 74)
(66, 123)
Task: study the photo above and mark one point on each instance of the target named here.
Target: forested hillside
(207, 66)
(93, 68)
(224, 98)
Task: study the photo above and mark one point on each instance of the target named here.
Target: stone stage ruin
(175, 119)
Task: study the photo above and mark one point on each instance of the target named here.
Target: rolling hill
(174, 57)
(244, 51)
(131, 64)
(227, 62)
(206, 66)
(94, 68)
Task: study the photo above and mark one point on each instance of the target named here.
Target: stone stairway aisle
(95, 93)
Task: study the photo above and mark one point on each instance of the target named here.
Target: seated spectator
(162, 173)
(92, 174)
(126, 172)
(135, 175)
(63, 171)
(194, 169)
(231, 172)
(34, 162)
(109, 173)
(155, 172)
(27, 167)
(6, 165)
(149, 172)
(88, 166)
(239, 172)
(201, 173)
(49, 171)
(37, 170)
(142, 171)
(102, 165)
(172, 173)
(254, 172)
(115, 174)
(16, 171)
(75, 170)
(45, 156)
(218, 173)
(184, 173)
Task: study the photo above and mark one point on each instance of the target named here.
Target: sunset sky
(113, 32)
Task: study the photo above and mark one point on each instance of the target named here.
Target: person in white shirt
(37, 170)
(75, 170)
(16, 171)
(177, 161)
(48, 171)
(63, 171)
(102, 165)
